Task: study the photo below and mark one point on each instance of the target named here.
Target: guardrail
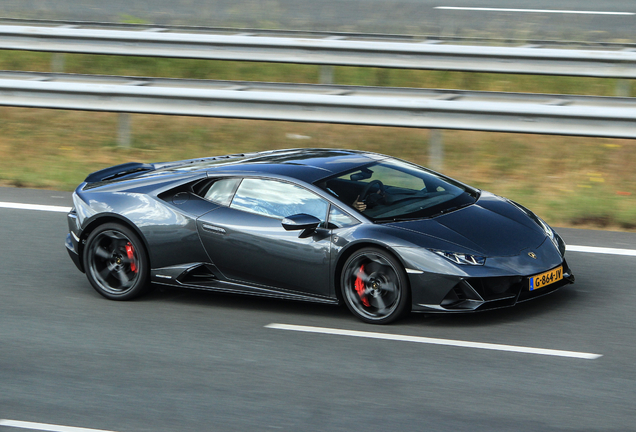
(413, 54)
(421, 108)
(317, 34)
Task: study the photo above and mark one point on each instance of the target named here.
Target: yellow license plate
(547, 278)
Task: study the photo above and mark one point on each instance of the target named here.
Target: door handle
(213, 229)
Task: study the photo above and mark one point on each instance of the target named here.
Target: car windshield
(393, 190)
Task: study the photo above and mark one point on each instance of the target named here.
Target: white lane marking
(600, 250)
(435, 341)
(40, 207)
(556, 11)
(46, 427)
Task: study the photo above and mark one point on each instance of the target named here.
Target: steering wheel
(367, 188)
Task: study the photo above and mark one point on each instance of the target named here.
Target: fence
(606, 61)
(422, 108)
(403, 107)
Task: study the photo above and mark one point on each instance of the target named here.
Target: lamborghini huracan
(381, 235)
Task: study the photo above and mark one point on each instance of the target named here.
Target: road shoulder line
(21, 206)
(601, 250)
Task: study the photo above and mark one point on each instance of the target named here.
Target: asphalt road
(389, 16)
(178, 360)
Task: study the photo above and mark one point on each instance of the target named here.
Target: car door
(247, 243)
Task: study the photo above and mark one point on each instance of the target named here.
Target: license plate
(547, 278)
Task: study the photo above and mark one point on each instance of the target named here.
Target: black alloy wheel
(374, 286)
(116, 262)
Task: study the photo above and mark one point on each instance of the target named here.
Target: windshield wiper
(396, 219)
(450, 209)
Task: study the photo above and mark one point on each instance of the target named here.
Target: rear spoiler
(126, 169)
(118, 171)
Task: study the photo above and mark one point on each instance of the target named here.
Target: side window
(277, 199)
(339, 219)
(222, 190)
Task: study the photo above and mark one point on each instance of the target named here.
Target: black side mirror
(300, 221)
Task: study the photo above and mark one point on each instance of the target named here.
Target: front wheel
(116, 262)
(374, 286)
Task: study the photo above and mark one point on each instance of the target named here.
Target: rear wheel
(374, 286)
(116, 262)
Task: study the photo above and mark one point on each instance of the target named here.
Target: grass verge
(568, 181)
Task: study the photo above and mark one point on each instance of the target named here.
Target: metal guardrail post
(326, 74)
(623, 87)
(123, 130)
(435, 150)
(57, 62)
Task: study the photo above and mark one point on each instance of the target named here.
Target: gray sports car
(379, 234)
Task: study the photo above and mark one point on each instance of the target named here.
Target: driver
(372, 200)
(359, 205)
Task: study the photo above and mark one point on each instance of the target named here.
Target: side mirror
(300, 221)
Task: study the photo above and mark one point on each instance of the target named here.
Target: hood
(490, 227)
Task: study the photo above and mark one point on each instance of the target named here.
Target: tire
(374, 286)
(116, 262)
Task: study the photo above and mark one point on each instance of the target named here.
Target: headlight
(546, 229)
(460, 258)
(556, 240)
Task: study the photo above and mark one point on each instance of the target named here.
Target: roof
(308, 165)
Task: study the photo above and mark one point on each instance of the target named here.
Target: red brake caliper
(359, 285)
(131, 256)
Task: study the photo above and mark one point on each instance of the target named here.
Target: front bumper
(486, 293)
(72, 252)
